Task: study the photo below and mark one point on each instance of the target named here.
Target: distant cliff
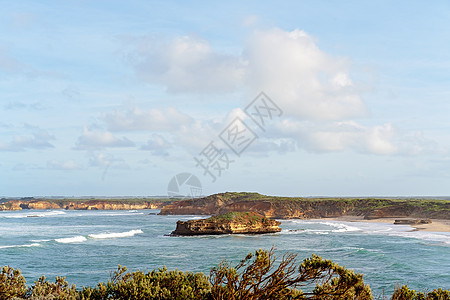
(288, 208)
(94, 204)
(230, 223)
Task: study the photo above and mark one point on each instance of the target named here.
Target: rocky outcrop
(304, 208)
(39, 205)
(230, 223)
(412, 221)
(10, 206)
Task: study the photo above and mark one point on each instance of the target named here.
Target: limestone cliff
(93, 204)
(288, 208)
(105, 205)
(230, 223)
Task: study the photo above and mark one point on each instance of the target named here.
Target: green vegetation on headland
(258, 276)
(298, 207)
(268, 206)
(240, 217)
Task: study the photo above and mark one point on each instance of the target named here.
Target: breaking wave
(20, 246)
(74, 239)
(115, 234)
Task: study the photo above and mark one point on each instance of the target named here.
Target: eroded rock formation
(230, 223)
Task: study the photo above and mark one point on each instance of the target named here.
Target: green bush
(157, 284)
(404, 293)
(257, 277)
(12, 283)
(60, 289)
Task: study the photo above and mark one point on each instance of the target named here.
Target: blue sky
(117, 97)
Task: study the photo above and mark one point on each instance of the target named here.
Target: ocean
(86, 246)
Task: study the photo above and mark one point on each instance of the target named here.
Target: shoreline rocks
(412, 221)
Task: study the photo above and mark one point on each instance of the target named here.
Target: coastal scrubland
(260, 275)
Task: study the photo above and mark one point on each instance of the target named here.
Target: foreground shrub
(404, 293)
(258, 277)
(12, 283)
(157, 284)
(60, 289)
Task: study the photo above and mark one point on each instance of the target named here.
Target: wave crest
(115, 234)
(74, 239)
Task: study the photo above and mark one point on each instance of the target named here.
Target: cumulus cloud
(95, 139)
(106, 161)
(302, 79)
(135, 119)
(340, 136)
(186, 64)
(157, 145)
(315, 90)
(39, 139)
(63, 165)
(305, 81)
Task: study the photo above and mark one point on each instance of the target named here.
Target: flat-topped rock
(229, 223)
(412, 221)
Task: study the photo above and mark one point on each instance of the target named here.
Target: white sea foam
(20, 246)
(121, 214)
(74, 239)
(31, 214)
(115, 234)
(389, 229)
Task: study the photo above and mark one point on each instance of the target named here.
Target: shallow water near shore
(86, 246)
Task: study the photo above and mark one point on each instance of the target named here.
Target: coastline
(437, 225)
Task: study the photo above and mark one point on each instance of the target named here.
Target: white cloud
(135, 119)
(341, 136)
(105, 161)
(63, 165)
(94, 139)
(186, 64)
(157, 145)
(314, 90)
(302, 79)
(40, 139)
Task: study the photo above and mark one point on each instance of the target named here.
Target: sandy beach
(437, 225)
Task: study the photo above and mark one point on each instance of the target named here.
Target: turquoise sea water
(86, 246)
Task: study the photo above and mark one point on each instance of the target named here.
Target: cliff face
(39, 205)
(210, 205)
(288, 208)
(104, 205)
(79, 205)
(230, 223)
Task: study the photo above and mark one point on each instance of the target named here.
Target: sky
(292, 98)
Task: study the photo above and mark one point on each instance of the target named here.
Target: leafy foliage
(12, 283)
(258, 276)
(60, 289)
(157, 284)
(404, 293)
